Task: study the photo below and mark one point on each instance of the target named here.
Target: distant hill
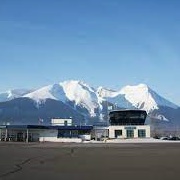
(25, 111)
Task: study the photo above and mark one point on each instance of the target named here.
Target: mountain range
(83, 103)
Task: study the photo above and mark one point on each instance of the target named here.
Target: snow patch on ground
(144, 140)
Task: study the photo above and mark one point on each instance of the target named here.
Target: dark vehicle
(156, 137)
(174, 138)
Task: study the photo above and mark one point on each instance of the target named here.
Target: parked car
(164, 138)
(156, 137)
(174, 138)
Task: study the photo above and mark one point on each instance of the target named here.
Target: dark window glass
(83, 132)
(128, 117)
(130, 133)
(118, 133)
(64, 133)
(142, 133)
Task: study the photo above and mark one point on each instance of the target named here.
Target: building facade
(34, 133)
(124, 124)
(61, 122)
(123, 132)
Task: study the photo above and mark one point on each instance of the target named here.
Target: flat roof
(46, 127)
(121, 110)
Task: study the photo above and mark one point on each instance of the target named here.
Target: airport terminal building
(123, 124)
(128, 124)
(61, 130)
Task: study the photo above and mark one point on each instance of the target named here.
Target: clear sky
(110, 43)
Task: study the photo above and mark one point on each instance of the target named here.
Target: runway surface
(21, 161)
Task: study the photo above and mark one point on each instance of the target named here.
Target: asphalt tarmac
(49, 161)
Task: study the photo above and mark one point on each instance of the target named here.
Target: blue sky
(110, 43)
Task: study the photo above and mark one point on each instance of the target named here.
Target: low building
(123, 132)
(61, 122)
(124, 124)
(32, 133)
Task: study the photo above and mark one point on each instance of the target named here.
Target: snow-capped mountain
(12, 94)
(86, 101)
(97, 102)
(81, 94)
(140, 96)
(68, 91)
(54, 92)
(113, 97)
(143, 97)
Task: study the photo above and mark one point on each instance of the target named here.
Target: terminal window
(130, 133)
(141, 133)
(118, 133)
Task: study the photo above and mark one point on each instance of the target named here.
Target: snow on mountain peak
(142, 97)
(73, 90)
(12, 94)
(137, 88)
(48, 92)
(104, 92)
(139, 96)
(113, 97)
(81, 94)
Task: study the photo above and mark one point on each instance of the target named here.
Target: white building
(61, 122)
(122, 132)
(125, 124)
